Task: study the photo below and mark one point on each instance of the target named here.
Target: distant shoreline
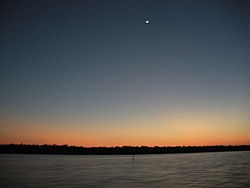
(123, 150)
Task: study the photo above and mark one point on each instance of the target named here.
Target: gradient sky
(93, 73)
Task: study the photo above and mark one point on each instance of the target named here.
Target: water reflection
(225, 169)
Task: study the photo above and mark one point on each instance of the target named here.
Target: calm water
(223, 169)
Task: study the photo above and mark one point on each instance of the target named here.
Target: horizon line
(66, 145)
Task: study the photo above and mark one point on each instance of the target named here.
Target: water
(222, 169)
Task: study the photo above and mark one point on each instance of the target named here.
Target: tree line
(118, 150)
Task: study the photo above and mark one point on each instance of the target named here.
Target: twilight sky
(93, 73)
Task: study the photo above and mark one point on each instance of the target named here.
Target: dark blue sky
(83, 61)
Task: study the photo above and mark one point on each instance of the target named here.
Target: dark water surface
(222, 169)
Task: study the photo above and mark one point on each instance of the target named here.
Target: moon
(147, 21)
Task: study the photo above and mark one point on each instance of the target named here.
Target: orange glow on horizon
(95, 141)
(188, 131)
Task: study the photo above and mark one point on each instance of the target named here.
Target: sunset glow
(92, 73)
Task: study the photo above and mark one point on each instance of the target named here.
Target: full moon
(147, 21)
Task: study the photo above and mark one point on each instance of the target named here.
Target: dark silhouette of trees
(124, 150)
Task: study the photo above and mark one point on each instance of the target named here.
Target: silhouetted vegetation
(129, 150)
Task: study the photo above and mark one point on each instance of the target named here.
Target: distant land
(123, 150)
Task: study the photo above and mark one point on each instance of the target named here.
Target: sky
(93, 73)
